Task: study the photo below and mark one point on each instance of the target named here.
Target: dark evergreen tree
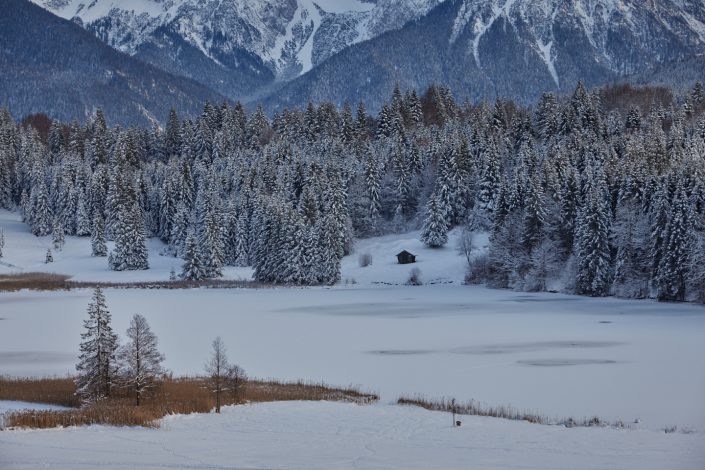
(97, 365)
(435, 229)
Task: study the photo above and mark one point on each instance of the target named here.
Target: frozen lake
(548, 353)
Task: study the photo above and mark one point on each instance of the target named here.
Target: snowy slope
(297, 435)
(438, 266)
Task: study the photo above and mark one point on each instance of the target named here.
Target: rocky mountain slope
(51, 65)
(285, 52)
(512, 48)
(236, 47)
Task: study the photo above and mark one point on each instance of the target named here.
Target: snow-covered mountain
(512, 48)
(607, 25)
(260, 40)
(285, 52)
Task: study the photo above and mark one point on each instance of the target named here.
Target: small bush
(478, 269)
(414, 277)
(364, 260)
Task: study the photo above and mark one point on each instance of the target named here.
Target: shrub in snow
(478, 269)
(465, 244)
(364, 260)
(414, 277)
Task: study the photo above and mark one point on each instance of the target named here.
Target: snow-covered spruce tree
(672, 271)
(83, 222)
(696, 267)
(40, 215)
(140, 362)
(58, 237)
(192, 269)
(98, 245)
(211, 245)
(338, 211)
(435, 228)
(630, 233)
(49, 258)
(534, 216)
(330, 253)
(130, 244)
(505, 252)
(491, 177)
(372, 182)
(2, 242)
(658, 219)
(592, 249)
(241, 249)
(96, 363)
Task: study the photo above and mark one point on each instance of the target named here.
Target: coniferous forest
(598, 193)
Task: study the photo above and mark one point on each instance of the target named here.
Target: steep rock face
(514, 48)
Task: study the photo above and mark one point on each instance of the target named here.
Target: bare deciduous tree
(140, 360)
(223, 376)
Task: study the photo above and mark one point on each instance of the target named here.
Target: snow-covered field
(552, 354)
(299, 435)
(26, 253)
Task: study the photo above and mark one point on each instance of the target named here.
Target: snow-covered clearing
(26, 253)
(323, 435)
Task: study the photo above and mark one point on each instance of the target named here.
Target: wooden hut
(406, 258)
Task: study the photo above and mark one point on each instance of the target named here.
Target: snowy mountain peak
(601, 22)
(289, 36)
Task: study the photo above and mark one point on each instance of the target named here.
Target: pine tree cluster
(599, 190)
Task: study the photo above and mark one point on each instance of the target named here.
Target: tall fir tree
(97, 365)
(435, 228)
(592, 249)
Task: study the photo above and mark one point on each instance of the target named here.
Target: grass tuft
(474, 408)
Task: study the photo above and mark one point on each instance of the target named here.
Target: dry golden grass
(53, 391)
(33, 281)
(53, 282)
(174, 396)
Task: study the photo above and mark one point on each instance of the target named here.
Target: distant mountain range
(285, 52)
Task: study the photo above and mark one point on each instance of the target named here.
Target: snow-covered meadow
(551, 354)
(324, 435)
